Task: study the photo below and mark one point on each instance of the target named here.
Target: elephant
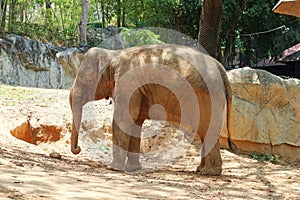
(168, 82)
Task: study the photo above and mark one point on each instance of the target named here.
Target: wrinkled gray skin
(99, 77)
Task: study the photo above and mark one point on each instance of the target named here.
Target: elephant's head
(94, 81)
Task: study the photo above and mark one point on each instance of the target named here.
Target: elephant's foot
(211, 164)
(210, 171)
(117, 166)
(130, 166)
(133, 162)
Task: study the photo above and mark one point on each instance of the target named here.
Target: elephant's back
(194, 66)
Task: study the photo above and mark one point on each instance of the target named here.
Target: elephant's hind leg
(211, 164)
(133, 162)
(210, 124)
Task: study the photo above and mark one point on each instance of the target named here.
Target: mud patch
(36, 135)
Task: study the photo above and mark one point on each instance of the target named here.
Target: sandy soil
(29, 172)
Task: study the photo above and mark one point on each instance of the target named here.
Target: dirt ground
(29, 172)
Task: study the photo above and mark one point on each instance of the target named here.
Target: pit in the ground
(37, 135)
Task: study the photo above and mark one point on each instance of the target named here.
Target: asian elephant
(166, 82)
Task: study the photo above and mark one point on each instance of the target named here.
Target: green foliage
(241, 18)
(180, 15)
(264, 157)
(150, 13)
(59, 24)
(131, 37)
(188, 17)
(138, 37)
(261, 18)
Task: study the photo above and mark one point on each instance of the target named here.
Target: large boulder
(266, 113)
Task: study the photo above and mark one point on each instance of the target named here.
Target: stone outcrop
(26, 62)
(266, 113)
(69, 61)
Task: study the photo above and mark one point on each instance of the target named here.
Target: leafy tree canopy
(248, 25)
(258, 32)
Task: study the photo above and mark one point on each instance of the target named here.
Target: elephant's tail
(231, 144)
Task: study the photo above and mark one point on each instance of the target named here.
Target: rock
(26, 62)
(95, 36)
(70, 61)
(55, 155)
(266, 113)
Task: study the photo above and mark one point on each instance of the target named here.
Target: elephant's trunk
(76, 106)
(74, 140)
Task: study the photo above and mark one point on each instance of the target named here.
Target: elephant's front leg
(126, 145)
(127, 125)
(121, 142)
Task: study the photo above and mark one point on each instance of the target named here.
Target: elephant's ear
(106, 60)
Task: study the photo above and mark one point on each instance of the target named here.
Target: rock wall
(266, 113)
(30, 63)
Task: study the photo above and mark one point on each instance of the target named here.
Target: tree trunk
(103, 15)
(230, 34)
(210, 26)
(119, 13)
(12, 17)
(83, 23)
(123, 16)
(48, 4)
(3, 9)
